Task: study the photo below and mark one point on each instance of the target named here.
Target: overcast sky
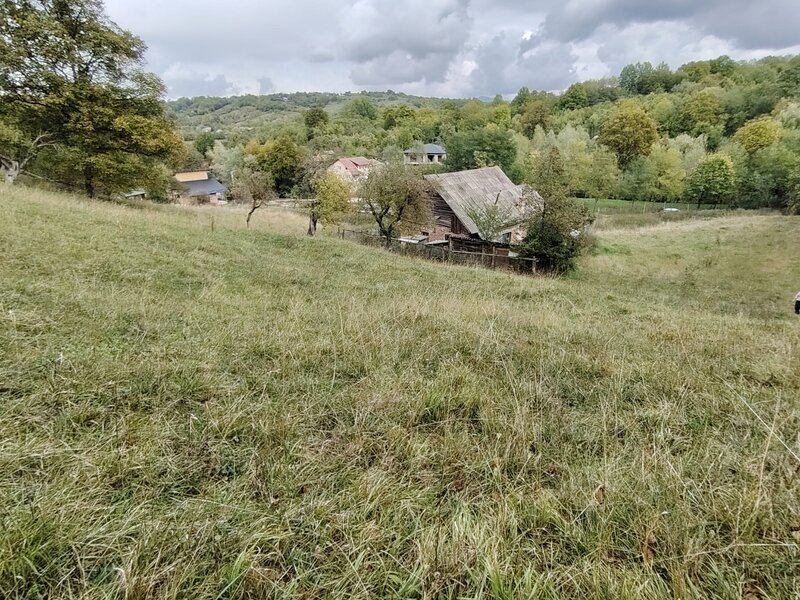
(455, 48)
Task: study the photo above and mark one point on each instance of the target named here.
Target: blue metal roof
(204, 187)
(428, 149)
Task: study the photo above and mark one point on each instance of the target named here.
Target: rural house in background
(427, 154)
(198, 185)
(353, 169)
(459, 197)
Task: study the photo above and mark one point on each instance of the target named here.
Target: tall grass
(198, 412)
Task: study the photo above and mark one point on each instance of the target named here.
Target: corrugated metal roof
(474, 190)
(203, 188)
(191, 176)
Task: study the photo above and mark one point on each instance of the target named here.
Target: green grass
(189, 411)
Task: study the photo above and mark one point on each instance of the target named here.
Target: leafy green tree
(701, 110)
(556, 235)
(484, 147)
(361, 107)
(536, 113)
(394, 116)
(575, 97)
(71, 76)
(397, 198)
(283, 159)
(757, 134)
(492, 219)
(315, 119)
(657, 177)
(331, 203)
(712, 182)
(520, 100)
(204, 143)
(629, 132)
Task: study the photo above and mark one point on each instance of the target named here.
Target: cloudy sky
(455, 48)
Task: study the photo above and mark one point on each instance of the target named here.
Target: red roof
(354, 163)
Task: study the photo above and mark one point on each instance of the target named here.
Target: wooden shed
(457, 195)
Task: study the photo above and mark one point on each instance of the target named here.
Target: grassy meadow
(190, 409)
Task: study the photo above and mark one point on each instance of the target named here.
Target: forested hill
(244, 113)
(714, 131)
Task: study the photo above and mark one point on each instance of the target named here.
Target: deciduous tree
(712, 182)
(397, 198)
(68, 73)
(331, 203)
(629, 132)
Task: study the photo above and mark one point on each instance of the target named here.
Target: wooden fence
(442, 253)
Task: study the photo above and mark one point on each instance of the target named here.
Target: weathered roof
(203, 188)
(428, 149)
(191, 176)
(474, 190)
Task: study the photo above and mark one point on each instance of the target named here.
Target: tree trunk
(255, 206)
(88, 180)
(12, 171)
(312, 224)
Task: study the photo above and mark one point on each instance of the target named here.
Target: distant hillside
(245, 113)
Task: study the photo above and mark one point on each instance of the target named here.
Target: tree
(757, 134)
(492, 219)
(331, 202)
(283, 158)
(555, 235)
(657, 177)
(520, 100)
(484, 147)
(254, 187)
(18, 151)
(629, 132)
(71, 76)
(575, 97)
(394, 116)
(712, 182)
(535, 113)
(204, 143)
(361, 107)
(315, 118)
(397, 198)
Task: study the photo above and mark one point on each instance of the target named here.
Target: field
(190, 409)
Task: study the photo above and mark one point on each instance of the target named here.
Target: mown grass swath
(188, 411)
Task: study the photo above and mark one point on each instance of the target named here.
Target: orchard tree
(712, 182)
(331, 203)
(252, 186)
(71, 78)
(629, 132)
(397, 198)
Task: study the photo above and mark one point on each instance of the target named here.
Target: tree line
(711, 132)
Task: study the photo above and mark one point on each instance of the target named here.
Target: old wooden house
(459, 197)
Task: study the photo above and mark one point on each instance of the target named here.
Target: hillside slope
(192, 409)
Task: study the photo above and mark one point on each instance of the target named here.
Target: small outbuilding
(458, 197)
(199, 185)
(427, 154)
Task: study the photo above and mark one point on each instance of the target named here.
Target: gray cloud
(443, 47)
